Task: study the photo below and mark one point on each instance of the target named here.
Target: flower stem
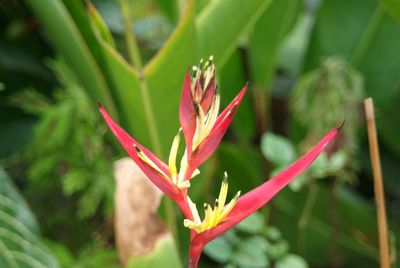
(194, 255)
(378, 184)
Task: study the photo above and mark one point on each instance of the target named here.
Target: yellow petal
(172, 157)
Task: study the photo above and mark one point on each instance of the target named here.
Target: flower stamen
(212, 216)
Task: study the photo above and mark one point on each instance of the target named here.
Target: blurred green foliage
(64, 148)
(253, 244)
(309, 64)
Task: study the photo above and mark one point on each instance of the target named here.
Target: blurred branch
(378, 184)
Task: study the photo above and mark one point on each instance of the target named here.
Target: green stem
(131, 42)
(367, 36)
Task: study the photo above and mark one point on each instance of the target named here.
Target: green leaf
(164, 76)
(312, 232)
(277, 149)
(163, 254)
(278, 250)
(243, 164)
(221, 24)
(149, 101)
(252, 224)
(251, 253)
(99, 25)
(170, 9)
(232, 79)
(219, 250)
(272, 233)
(20, 245)
(392, 7)
(68, 41)
(291, 261)
(363, 42)
(267, 37)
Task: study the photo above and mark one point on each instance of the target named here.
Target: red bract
(202, 127)
(203, 130)
(258, 197)
(206, 148)
(157, 173)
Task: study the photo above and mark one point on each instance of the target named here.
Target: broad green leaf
(266, 39)
(363, 42)
(243, 164)
(277, 149)
(163, 254)
(294, 46)
(389, 124)
(99, 25)
(170, 9)
(231, 80)
(20, 245)
(68, 41)
(222, 23)
(164, 76)
(149, 101)
(392, 7)
(127, 92)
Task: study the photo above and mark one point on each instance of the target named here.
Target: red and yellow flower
(203, 128)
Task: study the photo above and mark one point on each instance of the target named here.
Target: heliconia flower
(223, 217)
(203, 130)
(156, 170)
(202, 127)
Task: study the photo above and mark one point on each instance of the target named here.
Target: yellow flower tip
(183, 184)
(213, 216)
(225, 179)
(195, 173)
(172, 157)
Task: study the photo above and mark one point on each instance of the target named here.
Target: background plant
(276, 45)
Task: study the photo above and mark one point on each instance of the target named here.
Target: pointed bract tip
(341, 126)
(225, 176)
(237, 194)
(100, 106)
